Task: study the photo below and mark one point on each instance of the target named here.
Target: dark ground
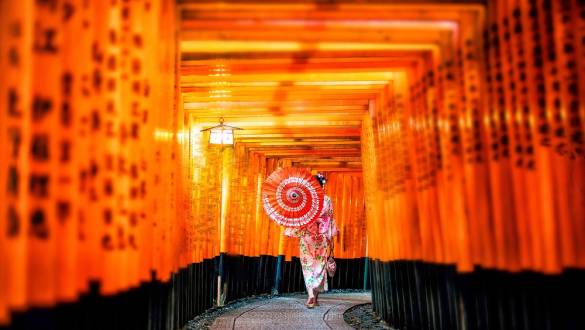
(363, 317)
(359, 317)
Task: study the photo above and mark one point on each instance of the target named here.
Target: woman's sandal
(310, 303)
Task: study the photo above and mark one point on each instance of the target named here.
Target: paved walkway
(291, 313)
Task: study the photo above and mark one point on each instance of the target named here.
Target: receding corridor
(136, 138)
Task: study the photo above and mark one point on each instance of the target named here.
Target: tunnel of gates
(458, 185)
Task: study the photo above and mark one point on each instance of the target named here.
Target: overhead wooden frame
(288, 67)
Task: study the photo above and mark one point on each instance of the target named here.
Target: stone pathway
(291, 313)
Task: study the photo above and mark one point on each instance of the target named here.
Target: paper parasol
(292, 197)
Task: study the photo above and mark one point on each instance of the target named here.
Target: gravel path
(363, 317)
(282, 311)
(205, 320)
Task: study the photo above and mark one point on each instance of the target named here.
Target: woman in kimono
(315, 239)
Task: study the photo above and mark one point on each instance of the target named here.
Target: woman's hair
(321, 178)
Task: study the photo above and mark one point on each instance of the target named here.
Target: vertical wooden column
(576, 132)
(44, 153)
(570, 163)
(227, 155)
(67, 196)
(15, 119)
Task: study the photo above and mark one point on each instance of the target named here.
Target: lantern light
(221, 134)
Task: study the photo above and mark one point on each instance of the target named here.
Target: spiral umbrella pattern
(292, 197)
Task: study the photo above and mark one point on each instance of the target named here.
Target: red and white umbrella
(292, 197)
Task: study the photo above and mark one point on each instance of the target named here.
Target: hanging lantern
(221, 134)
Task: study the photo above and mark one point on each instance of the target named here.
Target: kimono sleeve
(332, 224)
(334, 228)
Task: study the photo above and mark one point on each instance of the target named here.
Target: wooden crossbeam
(299, 77)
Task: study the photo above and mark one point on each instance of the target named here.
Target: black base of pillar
(153, 306)
(190, 291)
(248, 276)
(416, 295)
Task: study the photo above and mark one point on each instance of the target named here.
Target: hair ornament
(321, 178)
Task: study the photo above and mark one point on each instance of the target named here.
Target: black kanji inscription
(96, 53)
(577, 137)
(13, 228)
(108, 216)
(110, 131)
(65, 152)
(111, 85)
(123, 134)
(136, 86)
(82, 180)
(135, 130)
(13, 98)
(67, 83)
(45, 41)
(97, 80)
(134, 191)
(133, 217)
(125, 13)
(13, 180)
(40, 147)
(66, 116)
(93, 169)
(132, 242)
(41, 107)
(113, 37)
(143, 189)
(112, 63)
(134, 171)
(121, 244)
(95, 120)
(137, 39)
(39, 185)
(107, 243)
(68, 11)
(51, 4)
(15, 138)
(108, 187)
(110, 107)
(14, 57)
(136, 66)
(15, 29)
(38, 225)
(63, 211)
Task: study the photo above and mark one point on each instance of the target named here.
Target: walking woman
(315, 241)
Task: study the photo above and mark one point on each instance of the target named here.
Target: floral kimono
(314, 246)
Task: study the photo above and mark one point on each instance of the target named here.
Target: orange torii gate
(451, 133)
